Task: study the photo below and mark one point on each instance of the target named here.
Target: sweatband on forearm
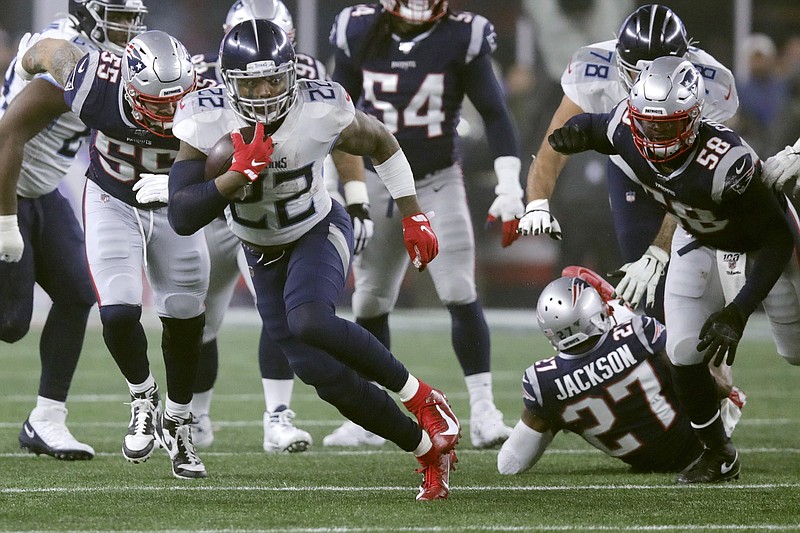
(396, 174)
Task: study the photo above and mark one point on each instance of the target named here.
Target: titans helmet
(258, 66)
(157, 72)
(570, 311)
(109, 24)
(272, 10)
(665, 104)
(649, 32)
(416, 11)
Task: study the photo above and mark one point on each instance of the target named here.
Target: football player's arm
(194, 202)
(38, 104)
(348, 75)
(528, 441)
(367, 136)
(349, 170)
(542, 176)
(55, 56)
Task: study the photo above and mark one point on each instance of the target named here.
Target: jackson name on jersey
(289, 196)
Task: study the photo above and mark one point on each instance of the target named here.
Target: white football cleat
(175, 436)
(351, 434)
(45, 432)
(280, 435)
(486, 426)
(202, 432)
(140, 441)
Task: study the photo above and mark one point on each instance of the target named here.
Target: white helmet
(665, 104)
(571, 311)
(272, 10)
(109, 24)
(157, 72)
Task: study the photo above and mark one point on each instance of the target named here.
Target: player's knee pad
(183, 305)
(311, 321)
(368, 302)
(683, 352)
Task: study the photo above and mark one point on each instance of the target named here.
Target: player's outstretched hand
(11, 244)
(363, 226)
(250, 159)
(508, 208)
(538, 220)
(720, 335)
(782, 170)
(421, 242)
(641, 277)
(152, 188)
(27, 41)
(569, 140)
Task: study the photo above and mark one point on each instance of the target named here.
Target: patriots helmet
(649, 32)
(109, 24)
(272, 10)
(258, 66)
(665, 104)
(157, 72)
(416, 12)
(571, 311)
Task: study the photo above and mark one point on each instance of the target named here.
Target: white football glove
(508, 206)
(642, 277)
(538, 220)
(357, 205)
(11, 244)
(27, 41)
(152, 188)
(780, 170)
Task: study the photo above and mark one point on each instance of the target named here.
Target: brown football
(221, 155)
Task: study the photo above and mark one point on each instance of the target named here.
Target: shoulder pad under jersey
(591, 78)
(326, 105)
(203, 117)
(352, 26)
(721, 98)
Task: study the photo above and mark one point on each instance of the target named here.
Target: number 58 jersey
(618, 397)
(289, 196)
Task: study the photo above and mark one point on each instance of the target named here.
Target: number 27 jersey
(617, 397)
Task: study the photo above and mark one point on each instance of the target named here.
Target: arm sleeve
(193, 202)
(522, 450)
(487, 96)
(596, 127)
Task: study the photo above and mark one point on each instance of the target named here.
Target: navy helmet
(257, 63)
(109, 24)
(649, 32)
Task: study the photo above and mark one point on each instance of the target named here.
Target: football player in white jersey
(227, 261)
(297, 241)
(597, 78)
(41, 241)
(129, 103)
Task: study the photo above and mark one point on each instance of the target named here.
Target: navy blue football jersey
(617, 397)
(416, 86)
(120, 149)
(714, 192)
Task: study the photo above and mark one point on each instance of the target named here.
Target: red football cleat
(435, 416)
(435, 472)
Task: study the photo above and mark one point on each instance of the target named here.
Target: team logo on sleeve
(740, 174)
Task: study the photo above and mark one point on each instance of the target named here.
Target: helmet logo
(259, 66)
(135, 63)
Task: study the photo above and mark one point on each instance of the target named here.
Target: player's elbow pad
(193, 203)
(522, 449)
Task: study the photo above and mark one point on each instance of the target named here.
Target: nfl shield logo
(630, 196)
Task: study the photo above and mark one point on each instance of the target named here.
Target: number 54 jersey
(618, 397)
(289, 196)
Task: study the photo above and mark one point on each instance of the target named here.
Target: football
(221, 155)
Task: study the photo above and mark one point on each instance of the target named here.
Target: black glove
(362, 226)
(569, 140)
(720, 335)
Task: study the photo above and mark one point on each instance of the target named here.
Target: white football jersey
(48, 155)
(289, 197)
(592, 81)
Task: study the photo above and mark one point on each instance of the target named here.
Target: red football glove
(421, 241)
(251, 159)
(509, 230)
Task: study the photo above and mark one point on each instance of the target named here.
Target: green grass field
(573, 488)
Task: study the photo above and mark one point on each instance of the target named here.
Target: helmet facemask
(416, 12)
(664, 107)
(157, 72)
(113, 24)
(247, 90)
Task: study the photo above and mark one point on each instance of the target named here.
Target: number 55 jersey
(618, 397)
